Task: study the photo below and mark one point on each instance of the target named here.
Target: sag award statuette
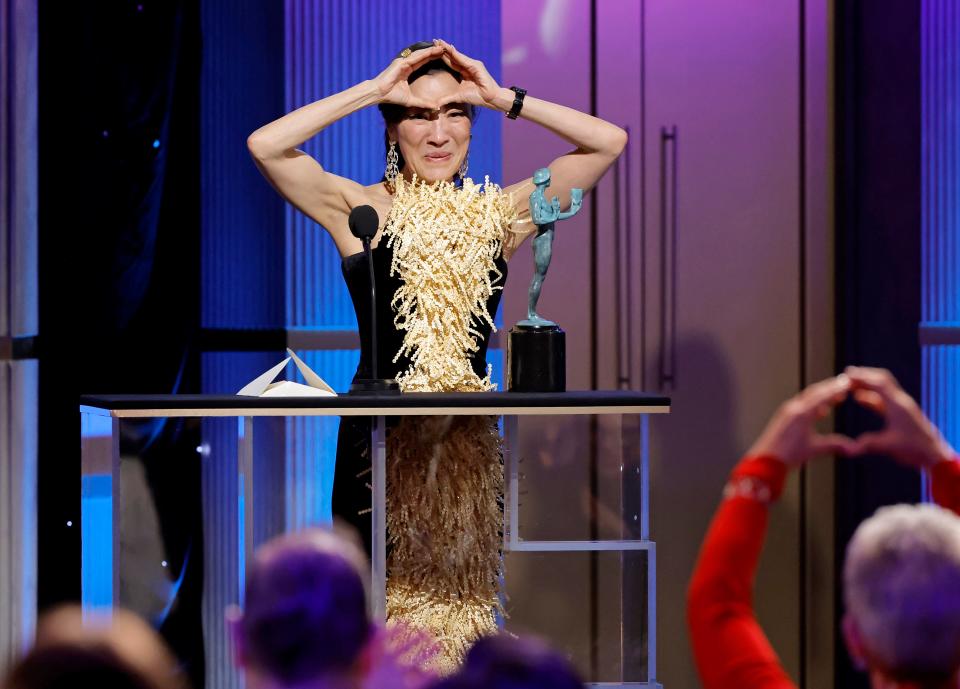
(536, 347)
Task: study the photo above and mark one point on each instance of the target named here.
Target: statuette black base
(374, 386)
(536, 359)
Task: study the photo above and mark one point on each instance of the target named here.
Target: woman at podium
(440, 260)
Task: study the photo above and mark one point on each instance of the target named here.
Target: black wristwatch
(517, 102)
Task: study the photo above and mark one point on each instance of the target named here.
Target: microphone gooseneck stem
(375, 352)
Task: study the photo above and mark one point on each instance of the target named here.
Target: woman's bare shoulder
(376, 195)
(355, 195)
(378, 191)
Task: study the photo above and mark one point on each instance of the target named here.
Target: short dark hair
(114, 651)
(394, 113)
(66, 666)
(305, 607)
(502, 661)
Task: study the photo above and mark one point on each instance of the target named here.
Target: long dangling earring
(464, 166)
(392, 171)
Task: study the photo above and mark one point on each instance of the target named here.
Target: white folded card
(263, 385)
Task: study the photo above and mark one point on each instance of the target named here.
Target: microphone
(363, 223)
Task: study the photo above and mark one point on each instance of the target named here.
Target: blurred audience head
(118, 651)
(902, 594)
(506, 662)
(305, 620)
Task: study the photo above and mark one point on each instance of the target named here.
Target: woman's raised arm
(325, 197)
(598, 145)
(597, 142)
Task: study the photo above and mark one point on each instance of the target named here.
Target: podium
(579, 561)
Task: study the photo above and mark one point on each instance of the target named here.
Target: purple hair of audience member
(506, 662)
(305, 608)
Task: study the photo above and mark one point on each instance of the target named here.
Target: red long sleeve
(946, 485)
(730, 648)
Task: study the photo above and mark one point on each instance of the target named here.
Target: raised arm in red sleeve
(946, 484)
(730, 648)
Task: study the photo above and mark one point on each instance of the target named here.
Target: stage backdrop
(19, 43)
(270, 276)
(940, 151)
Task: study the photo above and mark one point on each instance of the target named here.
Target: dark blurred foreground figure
(305, 622)
(505, 662)
(118, 652)
(902, 570)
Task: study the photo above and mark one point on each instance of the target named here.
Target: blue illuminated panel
(242, 233)
(96, 510)
(940, 38)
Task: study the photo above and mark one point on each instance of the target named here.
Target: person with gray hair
(901, 585)
(305, 621)
(902, 570)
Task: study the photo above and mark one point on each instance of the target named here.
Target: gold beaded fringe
(443, 519)
(445, 242)
(444, 474)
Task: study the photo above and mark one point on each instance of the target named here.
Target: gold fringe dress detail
(444, 474)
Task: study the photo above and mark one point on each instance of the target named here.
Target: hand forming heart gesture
(908, 436)
(392, 81)
(477, 88)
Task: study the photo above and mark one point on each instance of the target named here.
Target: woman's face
(433, 143)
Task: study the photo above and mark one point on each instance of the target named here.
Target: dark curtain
(119, 271)
(878, 243)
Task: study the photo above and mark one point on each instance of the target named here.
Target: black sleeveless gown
(351, 491)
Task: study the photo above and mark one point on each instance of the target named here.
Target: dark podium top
(408, 404)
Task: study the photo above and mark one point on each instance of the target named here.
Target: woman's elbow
(255, 145)
(618, 141)
(259, 147)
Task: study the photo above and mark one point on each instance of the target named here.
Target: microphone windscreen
(363, 222)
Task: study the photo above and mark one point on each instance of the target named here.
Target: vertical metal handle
(668, 257)
(623, 275)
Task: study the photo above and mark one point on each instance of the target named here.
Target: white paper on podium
(263, 385)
